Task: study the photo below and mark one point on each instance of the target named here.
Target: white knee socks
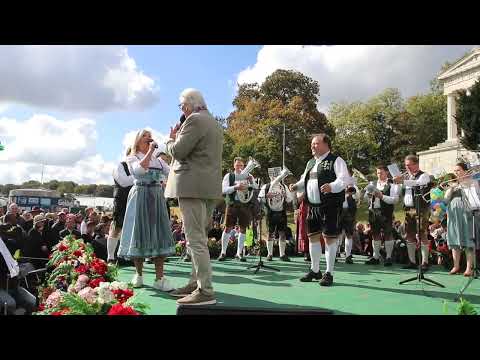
(411, 248)
(330, 254)
(425, 252)
(241, 243)
(315, 254)
(376, 249)
(111, 247)
(225, 237)
(281, 246)
(270, 247)
(348, 246)
(389, 248)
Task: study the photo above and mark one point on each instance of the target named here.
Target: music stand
(474, 203)
(417, 191)
(260, 263)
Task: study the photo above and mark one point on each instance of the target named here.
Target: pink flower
(88, 294)
(54, 299)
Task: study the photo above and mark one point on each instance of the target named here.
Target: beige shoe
(137, 281)
(184, 291)
(197, 298)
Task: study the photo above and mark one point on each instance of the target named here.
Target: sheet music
(394, 170)
(472, 197)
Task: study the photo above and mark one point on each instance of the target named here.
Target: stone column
(452, 132)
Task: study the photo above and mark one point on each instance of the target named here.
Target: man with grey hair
(196, 180)
(323, 182)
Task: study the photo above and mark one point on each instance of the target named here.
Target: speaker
(230, 310)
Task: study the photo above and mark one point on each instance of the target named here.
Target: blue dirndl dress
(146, 229)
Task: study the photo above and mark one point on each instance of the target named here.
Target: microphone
(155, 146)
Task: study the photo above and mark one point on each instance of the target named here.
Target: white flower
(115, 285)
(104, 294)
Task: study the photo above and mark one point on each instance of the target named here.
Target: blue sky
(54, 99)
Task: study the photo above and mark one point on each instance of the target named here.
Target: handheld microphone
(156, 145)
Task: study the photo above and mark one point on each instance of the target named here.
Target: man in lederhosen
(418, 182)
(275, 199)
(382, 195)
(324, 180)
(236, 210)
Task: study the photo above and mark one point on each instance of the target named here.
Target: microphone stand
(260, 263)
(420, 277)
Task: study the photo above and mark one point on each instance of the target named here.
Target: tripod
(260, 262)
(420, 277)
(475, 247)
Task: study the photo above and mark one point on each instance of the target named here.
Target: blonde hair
(138, 137)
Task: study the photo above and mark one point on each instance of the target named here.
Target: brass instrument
(246, 196)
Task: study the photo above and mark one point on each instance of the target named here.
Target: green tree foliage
(255, 127)
(386, 128)
(468, 117)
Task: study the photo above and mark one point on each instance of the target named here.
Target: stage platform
(358, 289)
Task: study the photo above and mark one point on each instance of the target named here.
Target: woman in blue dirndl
(146, 230)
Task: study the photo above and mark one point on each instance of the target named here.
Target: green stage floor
(357, 289)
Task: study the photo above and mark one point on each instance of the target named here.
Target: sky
(71, 111)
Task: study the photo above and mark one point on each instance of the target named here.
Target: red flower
(77, 253)
(62, 247)
(81, 269)
(61, 312)
(119, 309)
(95, 282)
(122, 295)
(41, 307)
(99, 266)
(50, 255)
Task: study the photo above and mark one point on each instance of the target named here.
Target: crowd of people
(326, 197)
(31, 235)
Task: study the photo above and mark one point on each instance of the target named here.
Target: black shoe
(327, 279)
(187, 259)
(284, 258)
(348, 260)
(269, 258)
(307, 258)
(387, 262)
(410, 265)
(311, 275)
(372, 261)
(425, 267)
(241, 258)
(222, 257)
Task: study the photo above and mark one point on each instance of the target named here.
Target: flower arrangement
(79, 283)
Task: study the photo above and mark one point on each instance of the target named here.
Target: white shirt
(121, 177)
(227, 189)
(275, 205)
(424, 179)
(133, 162)
(341, 171)
(391, 199)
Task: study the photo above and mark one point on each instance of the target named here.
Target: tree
(255, 127)
(468, 117)
(364, 132)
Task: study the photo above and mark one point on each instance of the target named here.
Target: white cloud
(66, 147)
(356, 72)
(74, 78)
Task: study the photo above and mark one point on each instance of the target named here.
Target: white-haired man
(324, 181)
(195, 179)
